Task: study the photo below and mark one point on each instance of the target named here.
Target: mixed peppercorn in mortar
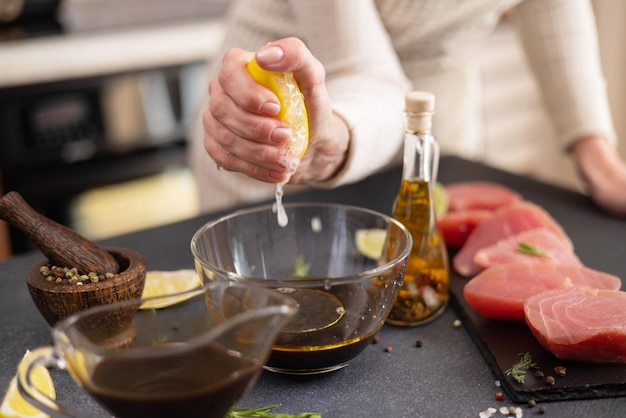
(66, 275)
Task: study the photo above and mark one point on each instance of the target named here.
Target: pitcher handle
(47, 357)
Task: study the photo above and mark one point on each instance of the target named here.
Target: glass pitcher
(191, 354)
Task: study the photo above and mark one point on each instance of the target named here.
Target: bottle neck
(421, 156)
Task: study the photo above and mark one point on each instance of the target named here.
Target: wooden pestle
(62, 246)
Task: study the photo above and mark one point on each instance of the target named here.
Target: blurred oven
(60, 139)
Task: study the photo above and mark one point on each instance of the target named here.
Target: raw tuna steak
(505, 222)
(455, 227)
(500, 291)
(580, 323)
(479, 195)
(538, 245)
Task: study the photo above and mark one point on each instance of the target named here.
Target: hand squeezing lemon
(293, 112)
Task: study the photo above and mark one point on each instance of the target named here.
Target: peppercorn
(542, 409)
(532, 403)
(375, 339)
(388, 349)
(550, 380)
(418, 343)
(560, 370)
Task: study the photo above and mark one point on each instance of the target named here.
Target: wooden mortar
(56, 301)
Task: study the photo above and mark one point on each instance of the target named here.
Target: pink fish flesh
(580, 323)
(500, 291)
(455, 227)
(505, 222)
(479, 195)
(538, 245)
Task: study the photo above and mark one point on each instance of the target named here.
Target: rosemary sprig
(526, 248)
(518, 371)
(266, 412)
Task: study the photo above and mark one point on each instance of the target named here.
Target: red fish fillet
(500, 291)
(479, 195)
(538, 245)
(505, 222)
(580, 323)
(455, 227)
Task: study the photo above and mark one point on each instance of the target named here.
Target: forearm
(560, 41)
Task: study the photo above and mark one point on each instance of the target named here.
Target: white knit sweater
(374, 51)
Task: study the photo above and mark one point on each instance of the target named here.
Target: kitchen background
(96, 97)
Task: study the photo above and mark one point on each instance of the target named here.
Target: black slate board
(501, 343)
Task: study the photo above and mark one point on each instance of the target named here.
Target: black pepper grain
(550, 380)
(418, 343)
(542, 409)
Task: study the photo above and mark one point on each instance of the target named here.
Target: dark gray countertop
(446, 377)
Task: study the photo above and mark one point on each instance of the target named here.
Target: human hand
(241, 131)
(604, 173)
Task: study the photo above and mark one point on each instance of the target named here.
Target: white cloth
(375, 51)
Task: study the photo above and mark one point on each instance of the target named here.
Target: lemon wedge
(160, 283)
(292, 108)
(15, 406)
(440, 199)
(370, 242)
(293, 112)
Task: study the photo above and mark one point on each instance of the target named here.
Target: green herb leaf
(266, 412)
(526, 248)
(301, 267)
(518, 371)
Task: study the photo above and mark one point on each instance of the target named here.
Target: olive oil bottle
(424, 293)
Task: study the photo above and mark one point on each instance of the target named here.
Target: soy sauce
(201, 383)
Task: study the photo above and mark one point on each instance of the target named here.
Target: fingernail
(281, 135)
(270, 54)
(270, 108)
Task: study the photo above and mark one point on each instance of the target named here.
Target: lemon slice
(292, 108)
(15, 406)
(440, 199)
(370, 242)
(160, 283)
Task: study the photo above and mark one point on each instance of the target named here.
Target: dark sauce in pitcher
(203, 383)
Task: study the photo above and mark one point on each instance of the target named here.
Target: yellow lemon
(440, 199)
(159, 283)
(370, 242)
(292, 108)
(15, 406)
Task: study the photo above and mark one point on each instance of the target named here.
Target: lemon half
(292, 107)
(160, 283)
(370, 242)
(15, 406)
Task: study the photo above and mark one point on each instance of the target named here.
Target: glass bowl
(344, 293)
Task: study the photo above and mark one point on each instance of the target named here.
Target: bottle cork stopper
(418, 102)
(419, 107)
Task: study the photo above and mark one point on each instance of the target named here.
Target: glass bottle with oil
(424, 293)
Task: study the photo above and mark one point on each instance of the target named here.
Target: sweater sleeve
(560, 40)
(364, 78)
